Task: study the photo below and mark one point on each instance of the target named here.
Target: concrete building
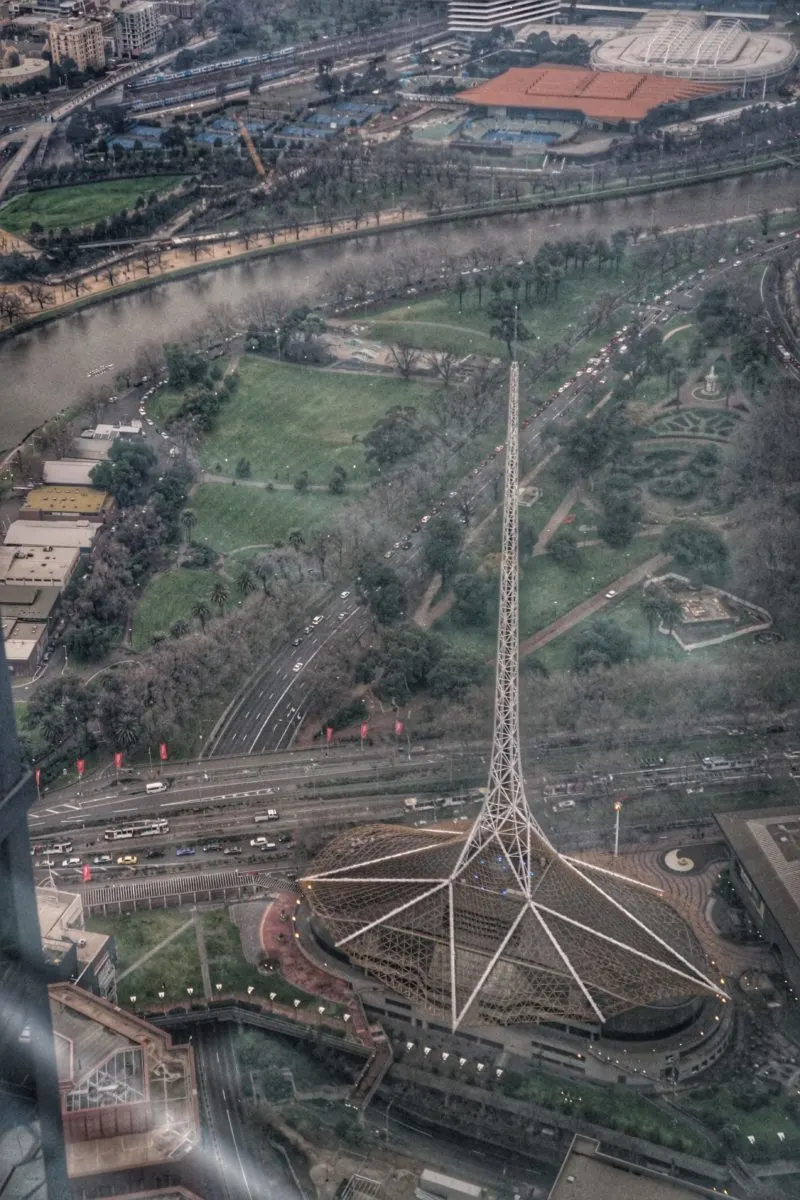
(28, 603)
(31, 1138)
(73, 471)
(28, 566)
(128, 1095)
(107, 433)
(481, 16)
(73, 954)
(137, 29)
(80, 40)
(25, 643)
(57, 503)
(77, 535)
(589, 1174)
(764, 845)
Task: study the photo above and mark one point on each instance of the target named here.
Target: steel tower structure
(496, 926)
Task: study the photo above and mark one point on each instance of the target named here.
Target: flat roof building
(80, 40)
(137, 29)
(58, 501)
(128, 1095)
(71, 952)
(48, 566)
(599, 97)
(68, 470)
(77, 535)
(589, 1174)
(764, 845)
(25, 643)
(19, 603)
(481, 16)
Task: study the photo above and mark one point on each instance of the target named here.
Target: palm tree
(189, 520)
(679, 379)
(179, 628)
(245, 583)
(671, 612)
(219, 595)
(296, 538)
(126, 733)
(263, 571)
(201, 612)
(651, 607)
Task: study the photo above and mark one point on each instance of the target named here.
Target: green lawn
(733, 1104)
(135, 935)
(232, 518)
(81, 205)
(167, 598)
(288, 419)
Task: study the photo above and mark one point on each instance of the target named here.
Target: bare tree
(148, 257)
(38, 293)
(405, 358)
(11, 307)
(443, 363)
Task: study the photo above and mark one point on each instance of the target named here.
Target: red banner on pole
(87, 873)
(398, 728)
(38, 776)
(364, 730)
(329, 734)
(81, 765)
(162, 751)
(118, 757)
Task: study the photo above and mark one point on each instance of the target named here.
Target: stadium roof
(608, 96)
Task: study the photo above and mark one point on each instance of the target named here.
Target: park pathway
(202, 955)
(140, 962)
(593, 605)
(557, 519)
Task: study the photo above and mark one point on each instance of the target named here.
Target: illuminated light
(133, 999)
(296, 1003)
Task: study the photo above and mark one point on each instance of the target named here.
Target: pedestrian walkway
(202, 955)
(557, 520)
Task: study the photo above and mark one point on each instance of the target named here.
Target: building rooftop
(61, 924)
(48, 565)
(67, 470)
(145, 1086)
(767, 843)
(27, 603)
(77, 534)
(589, 1174)
(22, 639)
(57, 498)
(608, 96)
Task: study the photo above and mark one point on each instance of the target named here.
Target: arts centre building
(489, 936)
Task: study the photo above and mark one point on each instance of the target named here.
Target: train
(248, 60)
(133, 829)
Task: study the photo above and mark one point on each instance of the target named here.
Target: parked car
(185, 852)
(127, 860)
(100, 859)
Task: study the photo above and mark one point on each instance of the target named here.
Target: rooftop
(61, 924)
(587, 1174)
(78, 534)
(607, 96)
(67, 470)
(49, 565)
(27, 603)
(66, 499)
(767, 843)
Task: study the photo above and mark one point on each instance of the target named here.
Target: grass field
(287, 419)
(167, 598)
(81, 205)
(176, 966)
(234, 518)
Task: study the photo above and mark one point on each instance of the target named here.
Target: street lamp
(161, 995)
(617, 811)
(190, 991)
(133, 999)
(218, 986)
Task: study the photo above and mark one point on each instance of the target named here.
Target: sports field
(84, 204)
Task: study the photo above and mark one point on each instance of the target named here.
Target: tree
(263, 571)
(507, 327)
(179, 628)
(454, 674)
(651, 608)
(219, 595)
(563, 549)
(405, 358)
(188, 520)
(697, 549)
(302, 483)
(243, 468)
(602, 644)
(296, 539)
(620, 518)
(62, 709)
(473, 598)
(125, 472)
(337, 484)
(201, 612)
(245, 583)
(442, 547)
(379, 587)
(393, 437)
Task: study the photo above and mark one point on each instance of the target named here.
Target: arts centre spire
(495, 926)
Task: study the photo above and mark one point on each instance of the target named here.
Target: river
(46, 368)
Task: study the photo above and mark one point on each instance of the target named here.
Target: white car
(71, 862)
(317, 619)
(298, 666)
(344, 595)
(562, 805)
(610, 595)
(342, 616)
(424, 520)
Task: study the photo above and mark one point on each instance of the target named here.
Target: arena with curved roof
(682, 44)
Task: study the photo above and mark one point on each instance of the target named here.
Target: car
(71, 862)
(611, 594)
(695, 791)
(307, 630)
(232, 850)
(212, 848)
(154, 854)
(344, 595)
(562, 805)
(452, 495)
(100, 859)
(424, 520)
(296, 641)
(48, 862)
(127, 860)
(319, 617)
(164, 435)
(149, 421)
(499, 449)
(185, 852)
(262, 843)
(298, 666)
(389, 554)
(342, 616)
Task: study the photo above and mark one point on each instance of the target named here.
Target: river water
(45, 369)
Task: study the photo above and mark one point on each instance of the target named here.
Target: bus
(57, 848)
(148, 828)
(270, 815)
